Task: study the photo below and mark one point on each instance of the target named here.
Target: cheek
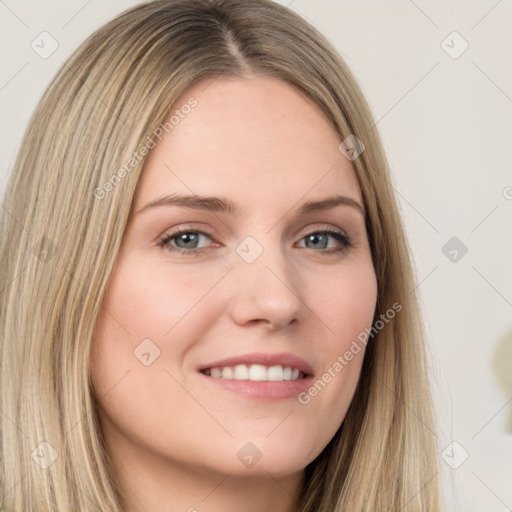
(137, 399)
(345, 303)
(149, 304)
(345, 306)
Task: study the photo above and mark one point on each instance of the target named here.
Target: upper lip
(266, 359)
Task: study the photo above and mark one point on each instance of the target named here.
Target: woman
(209, 304)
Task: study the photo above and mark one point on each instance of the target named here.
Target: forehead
(257, 141)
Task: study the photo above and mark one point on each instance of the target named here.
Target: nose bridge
(266, 285)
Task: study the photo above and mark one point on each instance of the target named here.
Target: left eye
(320, 240)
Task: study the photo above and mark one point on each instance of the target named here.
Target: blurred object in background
(502, 366)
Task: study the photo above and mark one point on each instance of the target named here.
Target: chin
(261, 456)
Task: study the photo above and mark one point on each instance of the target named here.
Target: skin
(172, 434)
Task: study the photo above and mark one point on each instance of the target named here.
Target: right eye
(184, 241)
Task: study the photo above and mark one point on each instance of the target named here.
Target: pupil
(188, 238)
(315, 239)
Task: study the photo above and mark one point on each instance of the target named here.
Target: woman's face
(199, 327)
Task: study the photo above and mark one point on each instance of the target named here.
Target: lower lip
(264, 390)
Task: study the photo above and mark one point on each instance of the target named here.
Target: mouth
(262, 376)
(255, 373)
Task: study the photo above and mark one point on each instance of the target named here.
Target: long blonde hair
(60, 239)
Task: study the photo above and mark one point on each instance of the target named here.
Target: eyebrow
(224, 205)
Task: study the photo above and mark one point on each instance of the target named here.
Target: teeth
(241, 372)
(216, 373)
(275, 373)
(227, 373)
(255, 372)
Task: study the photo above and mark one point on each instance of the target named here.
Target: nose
(267, 291)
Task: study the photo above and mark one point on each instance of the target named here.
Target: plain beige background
(445, 118)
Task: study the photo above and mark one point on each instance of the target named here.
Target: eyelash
(346, 242)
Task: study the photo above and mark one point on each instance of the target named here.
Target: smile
(255, 372)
